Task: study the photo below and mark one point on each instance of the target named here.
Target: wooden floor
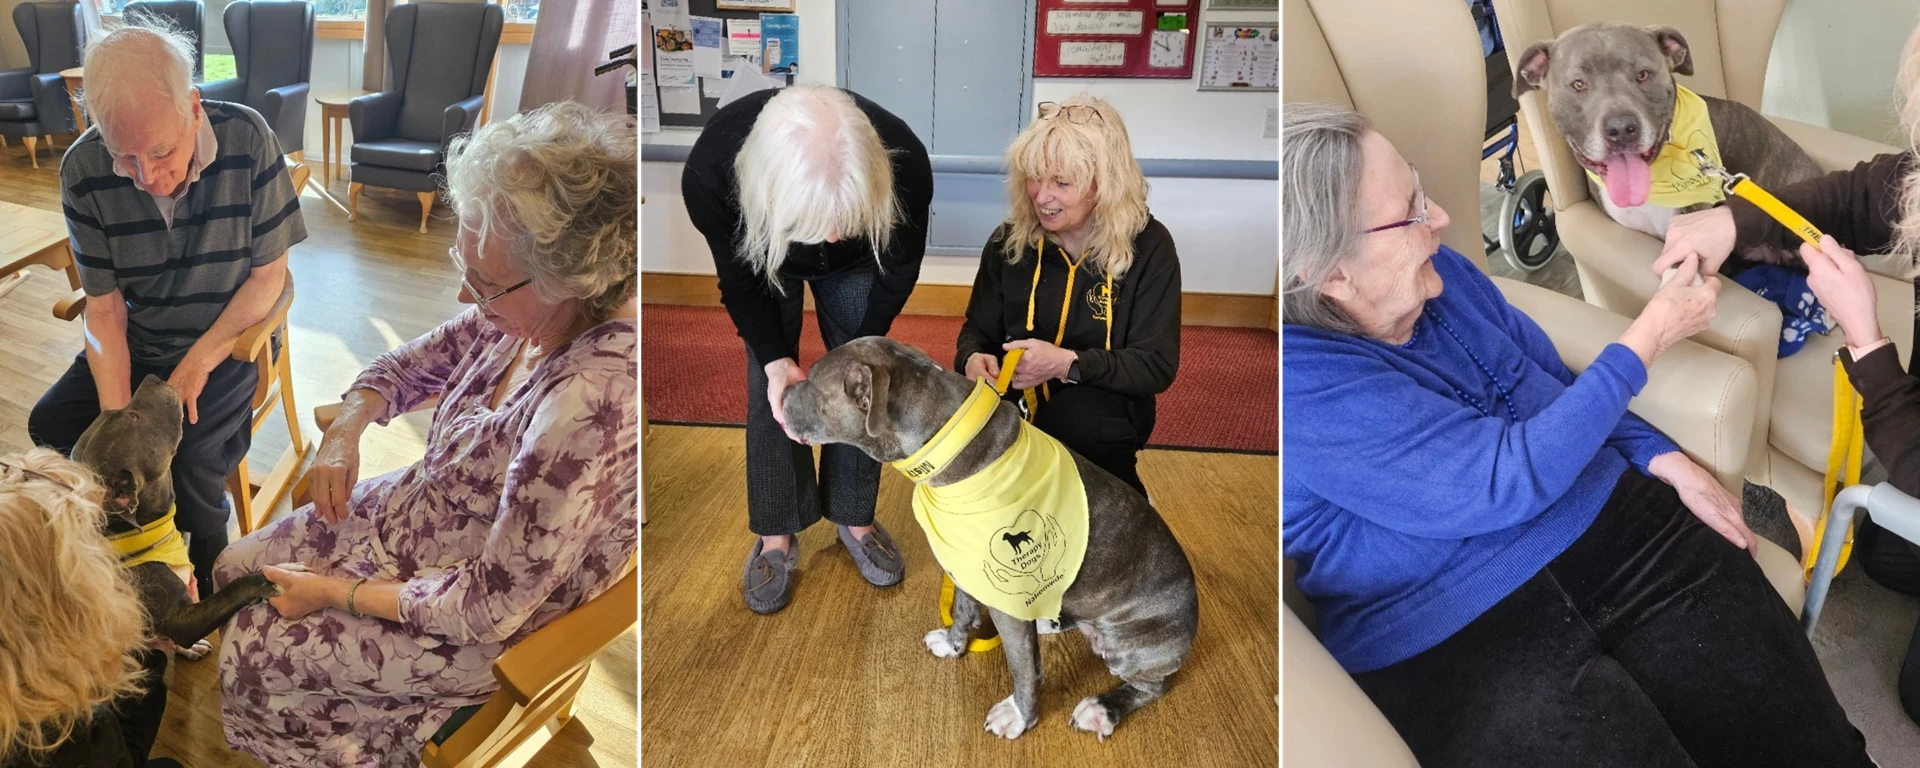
(361, 289)
(841, 678)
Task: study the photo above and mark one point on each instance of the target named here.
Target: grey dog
(1610, 91)
(131, 449)
(1134, 595)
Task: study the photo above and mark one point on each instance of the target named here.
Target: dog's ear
(1674, 45)
(867, 386)
(1530, 70)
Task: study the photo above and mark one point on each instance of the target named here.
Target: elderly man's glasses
(1419, 207)
(485, 301)
(1076, 113)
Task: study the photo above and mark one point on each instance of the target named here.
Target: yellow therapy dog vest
(155, 542)
(1015, 533)
(1677, 180)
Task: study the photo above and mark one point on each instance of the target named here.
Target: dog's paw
(1005, 720)
(942, 645)
(1092, 716)
(197, 651)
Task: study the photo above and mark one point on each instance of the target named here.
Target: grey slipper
(879, 560)
(767, 582)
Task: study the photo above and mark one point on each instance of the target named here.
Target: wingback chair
(33, 99)
(438, 55)
(272, 44)
(1730, 48)
(1414, 68)
(188, 17)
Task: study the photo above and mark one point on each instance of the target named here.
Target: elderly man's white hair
(812, 166)
(132, 66)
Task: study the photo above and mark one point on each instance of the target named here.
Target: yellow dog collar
(953, 436)
(159, 541)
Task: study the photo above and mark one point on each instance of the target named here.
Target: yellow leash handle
(978, 644)
(1765, 201)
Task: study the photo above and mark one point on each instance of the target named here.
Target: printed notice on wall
(708, 42)
(1093, 54)
(1095, 22)
(1241, 58)
(673, 50)
(780, 42)
(649, 106)
(743, 37)
(680, 100)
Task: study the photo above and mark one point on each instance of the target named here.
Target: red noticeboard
(1116, 38)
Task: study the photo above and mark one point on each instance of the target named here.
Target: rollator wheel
(1527, 231)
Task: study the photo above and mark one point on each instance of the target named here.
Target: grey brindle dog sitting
(131, 450)
(1610, 92)
(1134, 595)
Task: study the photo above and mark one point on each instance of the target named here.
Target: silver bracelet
(351, 611)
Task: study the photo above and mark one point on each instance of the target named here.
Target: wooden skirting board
(1216, 309)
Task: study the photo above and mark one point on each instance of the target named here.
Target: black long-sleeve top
(713, 202)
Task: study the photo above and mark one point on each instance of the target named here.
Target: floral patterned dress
(514, 517)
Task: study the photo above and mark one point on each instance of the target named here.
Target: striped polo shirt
(241, 213)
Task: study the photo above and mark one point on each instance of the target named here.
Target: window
(525, 11)
(325, 9)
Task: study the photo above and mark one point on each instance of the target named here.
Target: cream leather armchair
(1792, 426)
(1414, 68)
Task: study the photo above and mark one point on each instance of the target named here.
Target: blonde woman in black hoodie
(1084, 280)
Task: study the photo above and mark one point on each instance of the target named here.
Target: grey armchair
(439, 55)
(188, 17)
(33, 99)
(273, 62)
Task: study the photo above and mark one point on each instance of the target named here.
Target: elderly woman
(81, 691)
(1515, 569)
(1084, 280)
(402, 589)
(1874, 208)
(817, 187)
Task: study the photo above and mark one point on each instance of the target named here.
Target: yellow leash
(978, 644)
(1847, 450)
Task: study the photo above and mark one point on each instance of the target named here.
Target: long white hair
(1906, 234)
(812, 167)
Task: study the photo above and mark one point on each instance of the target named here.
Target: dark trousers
(209, 450)
(784, 495)
(1895, 563)
(1106, 427)
(140, 714)
(1650, 642)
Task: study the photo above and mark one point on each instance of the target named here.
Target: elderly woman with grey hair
(808, 188)
(1516, 569)
(401, 590)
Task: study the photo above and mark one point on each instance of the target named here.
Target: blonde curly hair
(1094, 155)
(564, 182)
(72, 619)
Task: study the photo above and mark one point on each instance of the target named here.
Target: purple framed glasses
(1419, 207)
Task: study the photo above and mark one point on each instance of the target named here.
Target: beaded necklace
(1506, 397)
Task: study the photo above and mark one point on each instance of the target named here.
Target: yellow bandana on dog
(155, 542)
(1677, 180)
(1013, 535)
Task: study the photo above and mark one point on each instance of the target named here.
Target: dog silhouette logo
(1018, 539)
(1025, 557)
(1100, 300)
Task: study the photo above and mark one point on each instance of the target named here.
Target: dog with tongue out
(1611, 93)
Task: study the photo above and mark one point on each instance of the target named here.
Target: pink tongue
(1628, 180)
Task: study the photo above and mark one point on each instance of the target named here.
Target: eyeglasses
(485, 301)
(1075, 113)
(1419, 207)
(38, 476)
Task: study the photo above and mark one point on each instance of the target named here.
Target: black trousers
(1650, 642)
(1106, 427)
(209, 450)
(784, 494)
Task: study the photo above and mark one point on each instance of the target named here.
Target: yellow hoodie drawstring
(1066, 303)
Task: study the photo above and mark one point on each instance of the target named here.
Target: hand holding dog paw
(1709, 233)
(302, 592)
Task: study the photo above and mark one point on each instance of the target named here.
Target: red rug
(1225, 398)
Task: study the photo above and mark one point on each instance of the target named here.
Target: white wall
(1227, 231)
(1834, 61)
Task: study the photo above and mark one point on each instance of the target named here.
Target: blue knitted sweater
(1413, 499)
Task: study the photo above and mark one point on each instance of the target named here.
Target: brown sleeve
(1858, 207)
(1890, 413)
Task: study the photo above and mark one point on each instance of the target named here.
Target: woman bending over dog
(73, 690)
(524, 506)
(1516, 569)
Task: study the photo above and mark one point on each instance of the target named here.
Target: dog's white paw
(197, 651)
(942, 645)
(301, 567)
(1090, 715)
(1005, 720)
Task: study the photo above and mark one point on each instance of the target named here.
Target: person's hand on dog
(1042, 362)
(981, 365)
(782, 373)
(1704, 496)
(304, 592)
(1845, 289)
(336, 468)
(1708, 233)
(189, 378)
(1683, 307)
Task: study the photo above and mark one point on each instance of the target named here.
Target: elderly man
(180, 213)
